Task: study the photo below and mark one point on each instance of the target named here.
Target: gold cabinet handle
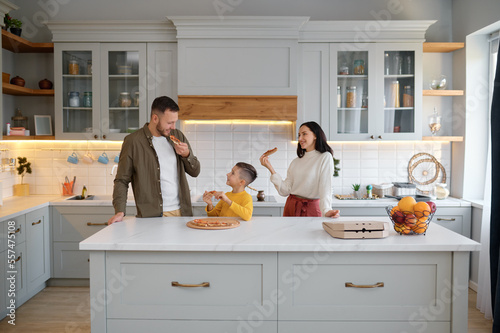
(35, 223)
(203, 284)
(18, 258)
(443, 219)
(15, 232)
(352, 285)
(90, 223)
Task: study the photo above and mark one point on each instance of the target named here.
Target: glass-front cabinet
(372, 91)
(98, 87)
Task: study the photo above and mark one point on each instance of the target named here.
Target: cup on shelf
(103, 158)
(117, 158)
(87, 158)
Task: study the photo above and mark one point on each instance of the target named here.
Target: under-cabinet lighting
(240, 121)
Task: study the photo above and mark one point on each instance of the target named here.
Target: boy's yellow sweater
(242, 206)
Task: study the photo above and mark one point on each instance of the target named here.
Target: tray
(229, 223)
(350, 197)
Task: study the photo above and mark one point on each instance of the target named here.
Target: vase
(356, 194)
(21, 190)
(16, 31)
(261, 196)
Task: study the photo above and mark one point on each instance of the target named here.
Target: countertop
(13, 206)
(263, 234)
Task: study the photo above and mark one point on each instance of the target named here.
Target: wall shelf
(17, 44)
(442, 47)
(443, 138)
(30, 137)
(442, 92)
(11, 89)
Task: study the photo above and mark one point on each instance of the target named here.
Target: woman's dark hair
(162, 103)
(321, 144)
(248, 172)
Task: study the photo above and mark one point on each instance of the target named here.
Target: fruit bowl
(409, 223)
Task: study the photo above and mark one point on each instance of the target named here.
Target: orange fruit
(395, 209)
(402, 228)
(406, 204)
(420, 227)
(421, 209)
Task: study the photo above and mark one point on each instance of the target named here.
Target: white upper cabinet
(362, 91)
(238, 55)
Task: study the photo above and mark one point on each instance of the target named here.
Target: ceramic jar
(45, 84)
(18, 81)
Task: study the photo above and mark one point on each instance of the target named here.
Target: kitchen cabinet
(98, 90)
(71, 225)
(37, 248)
(357, 91)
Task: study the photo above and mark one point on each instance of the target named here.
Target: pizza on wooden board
(211, 223)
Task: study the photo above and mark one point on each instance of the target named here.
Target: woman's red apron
(296, 206)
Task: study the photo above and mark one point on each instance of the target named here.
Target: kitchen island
(275, 275)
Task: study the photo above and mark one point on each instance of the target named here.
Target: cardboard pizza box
(357, 229)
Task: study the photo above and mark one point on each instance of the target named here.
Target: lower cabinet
(71, 225)
(30, 258)
(277, 292)
(457, 219)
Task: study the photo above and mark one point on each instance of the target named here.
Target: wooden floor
(67, 309)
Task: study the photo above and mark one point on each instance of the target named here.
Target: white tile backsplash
(219, 147)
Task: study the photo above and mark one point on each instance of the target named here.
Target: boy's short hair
(247, 172)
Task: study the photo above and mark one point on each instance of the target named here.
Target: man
(156, 166)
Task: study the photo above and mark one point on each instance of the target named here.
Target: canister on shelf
(359, 67)
(351, 97)
(395, 94)
(407, 97)
(74, 99)
(73, 67)
(87, 99)
(344, 69)
(398, 64)
(89, 67)
(387, 63)
(125, 99)
(339, 97)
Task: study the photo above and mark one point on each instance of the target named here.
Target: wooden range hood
(263, 107)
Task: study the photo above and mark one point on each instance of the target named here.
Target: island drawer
(205, 326)
(370, 326)
(75, 228)
(228, 286)
(334, 286)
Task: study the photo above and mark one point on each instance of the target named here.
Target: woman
(308, 183)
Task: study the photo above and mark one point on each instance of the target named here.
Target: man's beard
(162, 131)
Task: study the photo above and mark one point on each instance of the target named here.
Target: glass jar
(441, 191)
(395, 94)
(89, 67)
(344, 70)
(73, 67)
(136, 99)
(398, 64)
(364, 101)
(407, 97)
(339, 97)
(351, 97)
(74, 99)
(387, 63)
(359, 67)
(125, 99)
(87, 99)
(409, 64)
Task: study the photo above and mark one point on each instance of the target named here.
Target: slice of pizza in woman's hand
(270, 152)
(175, 140)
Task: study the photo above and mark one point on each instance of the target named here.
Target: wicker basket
(405, 224)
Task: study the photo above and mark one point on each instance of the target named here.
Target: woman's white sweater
(309, 177)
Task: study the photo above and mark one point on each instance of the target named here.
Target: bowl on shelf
(115, 130)
(408, 223)
(438, 83)
(132, 129)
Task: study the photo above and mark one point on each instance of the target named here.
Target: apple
(432, 205)
(411, 220)
(398, 216)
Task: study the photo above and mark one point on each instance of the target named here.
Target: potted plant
(7, 21)
(23, 168)
(356, 193)
(15, 27)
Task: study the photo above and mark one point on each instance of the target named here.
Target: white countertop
(262, 234)
(13, 206)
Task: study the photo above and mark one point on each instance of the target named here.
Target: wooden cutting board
(213, 223)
